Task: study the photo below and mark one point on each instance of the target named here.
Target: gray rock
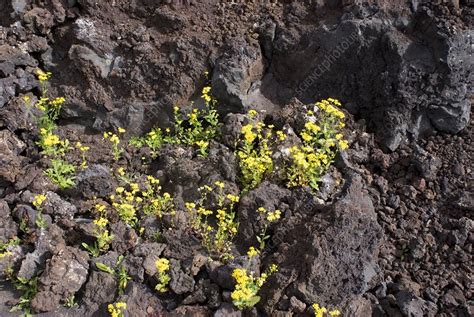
(125, 238)
(328, 262)
(55, 205)
(64, 275)
(150, 252)
(95, 181)
(100, 288)
(267, 195)
(234, 74)
(50, 241)
(8, 227)
(10, 161)
(412, 305)
(426, 163)
(141, 301)
(181, 282)
(227, 310)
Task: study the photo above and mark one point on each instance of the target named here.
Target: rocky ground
(389, 234)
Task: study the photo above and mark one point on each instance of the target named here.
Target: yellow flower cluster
(83, 149)
(162, 267)
(206, 94)
(43, 76)
(216, 240)
(38, 200)
(329, 106)
(252, 252)
(104, 238)
(273, 215)
(321, 142)
(255, 156)
(115, 140)
(320, 311)
(51, 140)
(117, 309)
(247, 287)
(155, 202)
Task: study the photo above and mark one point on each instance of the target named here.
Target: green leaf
(105, 268)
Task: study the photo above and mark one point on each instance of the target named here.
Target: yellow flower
(120, 190)
(42, 76)
(281, 135)
(343, 145)
(252, 113)
(38, 200)
(51, 140)
(206, 90)
(219, 184)
(334, 312)
(233, 198)
(58, 101)
(101, 222)
(162, 265)
(100, 208)
(274, 215)
(248, 133)
(114, 139)
(252, 252)
(26, 98)
(121, 171)
(311, 126)
(306, 137)
(190, 206)
(339, 136)
(121, 130)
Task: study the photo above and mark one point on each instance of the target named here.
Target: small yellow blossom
(38, 200)
(252, 252)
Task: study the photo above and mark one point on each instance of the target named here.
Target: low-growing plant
(245, 294)
(61, 173)
(162, 268)
(101, 233)
(70, 302)
(321, 141)
(320, 311)
(83, 150)
(117, 309)
(117, 149)
(267, 217)
(196, 129)
(29, 288)
(4, 247)
(254, 153)
(38, 203)
(216, 239)
(119, 272)
(130, 199)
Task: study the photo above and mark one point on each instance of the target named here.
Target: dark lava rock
(101, 288)
(64, 275)
(181, 282)
(141, 301)
(426, 163)
(95, 181)
(8, 227)
(328, 263)
(267, 195)
(50, 241)
(58, 207)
